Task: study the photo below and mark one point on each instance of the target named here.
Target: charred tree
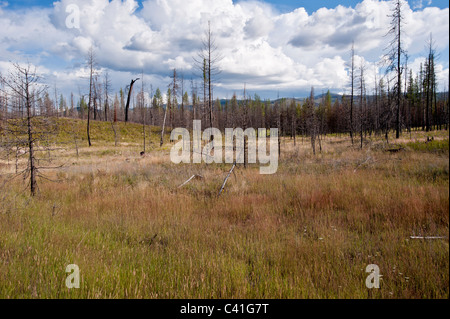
(130, 90)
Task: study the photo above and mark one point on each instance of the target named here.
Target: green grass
(102, 133)
(436, 146)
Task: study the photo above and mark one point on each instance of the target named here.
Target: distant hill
(317, 99)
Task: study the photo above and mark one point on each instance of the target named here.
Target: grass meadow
(308, 231)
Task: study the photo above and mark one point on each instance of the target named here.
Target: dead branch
(366, 161)
(427, 237)
(191, 178)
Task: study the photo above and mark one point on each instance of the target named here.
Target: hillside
(102, 132)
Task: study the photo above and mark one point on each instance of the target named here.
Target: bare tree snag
(394, 58)
(128, 99)
(352, 94)
(115, 133)
(163, 127)
(27, 130)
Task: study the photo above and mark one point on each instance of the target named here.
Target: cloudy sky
(273, 47)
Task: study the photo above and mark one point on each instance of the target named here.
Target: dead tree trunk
(162, 131)
(128, 99)
(33, 183)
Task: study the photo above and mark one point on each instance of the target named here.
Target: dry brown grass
(308, 231)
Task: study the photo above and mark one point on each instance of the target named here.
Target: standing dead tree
(143, 109)
(393, 57)
(311, 120)
(107, 86)
(174, 90)
(244, 118)
(92, 65)
(429, 83)
(362, 100)
(184, 102)
(206, 62)
(194, 99)
(163, 127)
(3, 99)
(352, 76)
(113, 121)
(28, 134)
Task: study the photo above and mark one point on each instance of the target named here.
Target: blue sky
(311, 5)
(282, 5)
(282, 51)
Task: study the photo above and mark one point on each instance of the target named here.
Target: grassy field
(308, 231)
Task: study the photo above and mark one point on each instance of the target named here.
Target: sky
(281, 5)
(274, 48)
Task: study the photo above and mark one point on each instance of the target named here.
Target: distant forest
(422, 107)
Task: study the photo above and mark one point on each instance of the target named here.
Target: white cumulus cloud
(261, 47)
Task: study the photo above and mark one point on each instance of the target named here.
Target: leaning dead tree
(226, 179)
(127, 107)
(229, 172)
(27, 133)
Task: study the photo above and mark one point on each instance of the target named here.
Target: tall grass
(308, 231)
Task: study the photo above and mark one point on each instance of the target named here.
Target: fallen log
(395, 150)
(427, 237)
